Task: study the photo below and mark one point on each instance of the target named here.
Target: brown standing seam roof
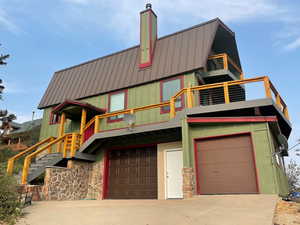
(177, 53)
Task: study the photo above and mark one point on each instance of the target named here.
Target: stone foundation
(188, 182)
(80, 180)
(95, 184)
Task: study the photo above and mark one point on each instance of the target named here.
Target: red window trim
(51, 118)
(162, 110)
(220, 136)
(109, 120)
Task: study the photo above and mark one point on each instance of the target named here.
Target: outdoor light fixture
(130, 120)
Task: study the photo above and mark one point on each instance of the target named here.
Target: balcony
(221, 65)
(207, 95)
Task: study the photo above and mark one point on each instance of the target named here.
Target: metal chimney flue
(148, 6)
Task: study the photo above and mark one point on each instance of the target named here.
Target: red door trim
(105, 174)
(218, 136)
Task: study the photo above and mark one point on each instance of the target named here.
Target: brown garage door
(226, 165)
(133, 174)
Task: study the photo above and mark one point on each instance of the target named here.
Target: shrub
(9, 198)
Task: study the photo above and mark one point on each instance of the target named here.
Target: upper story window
(168, 89)
(117, 102)
(54, 118)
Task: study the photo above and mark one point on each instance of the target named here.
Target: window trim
(51, 118)
(109, 120)
(162, 110)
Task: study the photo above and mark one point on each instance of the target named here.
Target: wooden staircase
(47, 152)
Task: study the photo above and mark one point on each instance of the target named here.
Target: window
(54, 118)
(117, 102)
(168, 89)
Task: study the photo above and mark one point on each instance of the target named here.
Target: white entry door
(174, 178)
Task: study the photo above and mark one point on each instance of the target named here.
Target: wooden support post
(65, 141)
(25, 170)
(267, 87)
(61, 130)
(172, 108)
(97, 125)
(62, 125)
(278, 101)
(73, 145)
(225, 61)
(242, 76)
(226, 92)
(50, 147)
(10, 166)
(82, 125)
(189, 95)
(286, 112)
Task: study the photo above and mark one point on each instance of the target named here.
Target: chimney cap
(148, 6)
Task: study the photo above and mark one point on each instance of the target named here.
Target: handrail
(227, 59)
(10, 163)
(73, 146)
(225, 85)
(89, 124)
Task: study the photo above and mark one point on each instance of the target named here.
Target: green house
(172, 117)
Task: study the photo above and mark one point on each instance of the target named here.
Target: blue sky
(45, 36)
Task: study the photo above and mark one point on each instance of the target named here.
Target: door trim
(220, 136)
(165, 167)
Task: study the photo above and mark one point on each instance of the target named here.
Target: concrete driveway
(202, 210)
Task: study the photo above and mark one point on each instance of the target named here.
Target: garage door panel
(225, 165)
(133, 174)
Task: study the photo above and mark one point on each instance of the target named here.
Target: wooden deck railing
(190, 94)
(226, 63)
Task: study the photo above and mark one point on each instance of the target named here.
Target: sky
(45, 36)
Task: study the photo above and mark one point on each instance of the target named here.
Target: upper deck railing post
(286, 112)
(267, 87)
(82, 125)
(61, 130)
(225, 60)
(189, 95)
(226, 92)
(97, 125)
(172, 108)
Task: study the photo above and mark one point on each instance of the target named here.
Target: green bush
(9, 198)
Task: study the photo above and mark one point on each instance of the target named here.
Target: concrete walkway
(202, 210)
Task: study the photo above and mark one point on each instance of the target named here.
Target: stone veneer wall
(79, 181)
(189, 187)
(95, 183)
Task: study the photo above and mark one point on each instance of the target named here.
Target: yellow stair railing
(11, 161)
(70, 144)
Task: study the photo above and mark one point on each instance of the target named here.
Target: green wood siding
(271, 179)
(137, 96)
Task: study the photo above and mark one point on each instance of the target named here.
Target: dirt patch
(287, 213)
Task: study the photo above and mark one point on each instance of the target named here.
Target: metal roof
(177, 53)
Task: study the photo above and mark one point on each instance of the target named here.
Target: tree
(293, 175)
(4, 116)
